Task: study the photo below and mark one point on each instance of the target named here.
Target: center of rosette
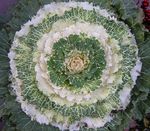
(76, 62)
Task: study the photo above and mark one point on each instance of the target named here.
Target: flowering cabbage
(74, 66)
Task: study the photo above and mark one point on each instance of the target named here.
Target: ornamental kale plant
(74, 65)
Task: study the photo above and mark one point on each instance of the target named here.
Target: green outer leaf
(21, 120)
(4, 40)
(128, 12)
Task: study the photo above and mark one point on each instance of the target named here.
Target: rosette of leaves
(73, 65)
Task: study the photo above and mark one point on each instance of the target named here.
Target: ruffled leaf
(128, 11)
